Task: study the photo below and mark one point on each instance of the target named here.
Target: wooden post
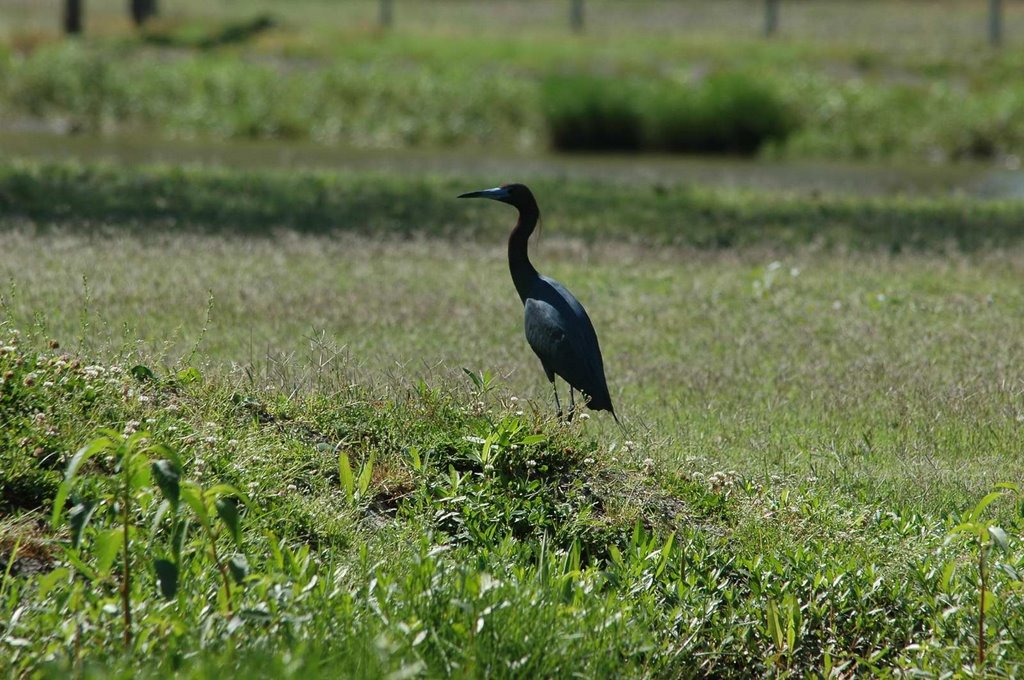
(72, 17)
(576, 16)
(141, 10)
(995, 22)
(387, 15)
(771, 17)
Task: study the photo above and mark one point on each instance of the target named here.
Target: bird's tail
(617, 421)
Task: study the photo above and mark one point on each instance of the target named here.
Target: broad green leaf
(414, 456)
(984, 503)
(227, 509)
(192, 494)
(947, 575)
(999, 536)
(474, 377)
(140, 476)
(178, 535)
(142, 373)
(189, 375)
(533, 439)
(348, 483)
(219, 490)
(81, 567)
(616, 556)
(168, 477)
(275, 549)
(989, 599)
(978, 530)
(106, 544)
(85, 453)
(49, 581)
(365, 476)
(166, 577)
(666, 554)
(238, 565)
(774, 629)
(78, 518)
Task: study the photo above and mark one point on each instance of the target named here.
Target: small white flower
(648, 462)
(131, 427)
(519, 413)
(588, 461)
(292, 487)
(212, 439)
(531, 463)
(488, 468)
(513, 399)
(143, 398)
(233, 443)
(584, 416)
(628, 445)
(48, 383)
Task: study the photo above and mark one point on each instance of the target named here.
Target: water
(811, 177)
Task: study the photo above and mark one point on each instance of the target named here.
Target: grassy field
(816, 392)
(444, 79)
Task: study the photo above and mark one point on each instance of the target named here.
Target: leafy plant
(108, 510)
(986, 537)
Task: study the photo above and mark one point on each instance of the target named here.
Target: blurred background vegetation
(905, 80)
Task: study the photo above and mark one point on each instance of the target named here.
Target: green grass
(209, 200)
(808, 422)
(342, 83)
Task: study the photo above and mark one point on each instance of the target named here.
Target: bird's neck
(523, 273)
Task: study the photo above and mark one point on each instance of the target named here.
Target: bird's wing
(547, 335)
(563, 346)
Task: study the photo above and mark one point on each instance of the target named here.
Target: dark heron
(557, 327)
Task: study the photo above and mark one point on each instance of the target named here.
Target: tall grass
(426, 92)
(724, 113)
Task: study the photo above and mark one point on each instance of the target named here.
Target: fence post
(576, 16)
(72, 17)
(995, 22)
(387, 16)
(771, 17)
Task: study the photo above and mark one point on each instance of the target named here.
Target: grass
(342, 83)
(105, 197)
(807, 424)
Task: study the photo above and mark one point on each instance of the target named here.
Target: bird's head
(517, 195)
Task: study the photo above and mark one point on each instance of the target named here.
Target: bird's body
(556, 324)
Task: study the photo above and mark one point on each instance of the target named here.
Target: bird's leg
(558, 406)
(572, 404)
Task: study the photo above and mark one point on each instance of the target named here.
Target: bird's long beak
(497, 193)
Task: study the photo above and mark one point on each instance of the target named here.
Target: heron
(557, 326)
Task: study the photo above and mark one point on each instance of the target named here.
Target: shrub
(591, 113)
(726, 113)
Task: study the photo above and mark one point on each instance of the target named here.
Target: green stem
(127, 579)
(223, 570)
(981, 613)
